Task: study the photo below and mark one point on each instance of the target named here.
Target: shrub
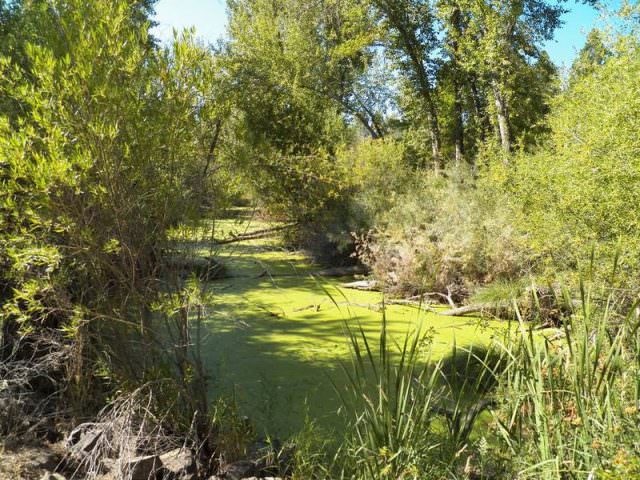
(100, 161)
(447, 234)
(577, 191)
(569, 399)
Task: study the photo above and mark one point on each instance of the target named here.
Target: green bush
(367, 177)
(95, 166)
(580, 190)
(569, 399)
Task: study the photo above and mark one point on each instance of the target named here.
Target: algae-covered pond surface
(276, 334)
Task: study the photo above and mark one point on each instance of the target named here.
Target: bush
(374, 174)
(569, 399)
(577, 192)
(95, 166)
(446, 234)
(540, 214)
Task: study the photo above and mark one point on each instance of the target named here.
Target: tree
(501, 42)
(593, 54)
(450, 14)
(577, 190)
(412, 40)
(96, 165)
(290, 124)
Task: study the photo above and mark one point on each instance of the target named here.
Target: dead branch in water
(454, 312)
(255, 235)
(364, 285)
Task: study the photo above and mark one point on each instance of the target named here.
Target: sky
(210, 18)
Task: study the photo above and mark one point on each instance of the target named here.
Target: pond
(276, 338)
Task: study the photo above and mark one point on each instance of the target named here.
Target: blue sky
(209, 17)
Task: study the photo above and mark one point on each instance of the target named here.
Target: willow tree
(96, 164)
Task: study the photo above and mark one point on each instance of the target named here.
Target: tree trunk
(434, 130)
(412, 48)
(503, 118)
(458, 132)
(479, 108)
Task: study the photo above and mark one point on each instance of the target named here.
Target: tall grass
(410, 417)
(570, 397)
(564, 402)
(390, 401)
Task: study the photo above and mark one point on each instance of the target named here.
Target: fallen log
(461, 311)
(453, 312)
(255, 235)
(365, 285)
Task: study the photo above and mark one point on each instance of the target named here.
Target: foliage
(563, 401)
(391, 408)
(379, 173)
(570, 399)
(575, 192)
(287, 121)
(479, 175)
(374, 173)
(409, 416)
(107, 149)
(539, 214)
(447, 235)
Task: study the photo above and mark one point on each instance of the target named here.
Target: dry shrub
(124, 430)
(446, 235)
(31, 387)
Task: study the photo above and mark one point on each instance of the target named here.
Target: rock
(239, 470)
(140, 468)
(76, 434)
(84, 438)
(177, 464)
(52, 476)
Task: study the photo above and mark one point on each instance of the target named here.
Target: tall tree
(289, 127)
(413, 40)
(593, 54)
(502, 38)
(450, 14)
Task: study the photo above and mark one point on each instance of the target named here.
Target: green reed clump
(390, 401)
(410, 417)
(570, 397)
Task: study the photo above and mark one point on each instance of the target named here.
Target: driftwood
(460, 311)
(329, 272)
(448, 297)
(365, 285)
(453, 312)
(255, 235)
